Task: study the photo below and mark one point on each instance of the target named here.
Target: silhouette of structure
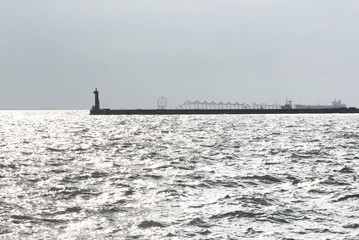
(213, 105)
(207, 108)
(335, 104)
(162, 103)
(288, 104)
(97, 101)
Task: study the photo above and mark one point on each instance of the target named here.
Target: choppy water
(68, 175)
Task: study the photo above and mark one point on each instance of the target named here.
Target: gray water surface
(68, 175)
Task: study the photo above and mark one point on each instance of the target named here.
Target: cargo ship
(197, 108)
(335, 104)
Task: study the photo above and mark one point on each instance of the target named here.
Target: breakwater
(219, 111)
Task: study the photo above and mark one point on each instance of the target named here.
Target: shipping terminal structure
(206, 108)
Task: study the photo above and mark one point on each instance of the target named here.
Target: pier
(206, 108)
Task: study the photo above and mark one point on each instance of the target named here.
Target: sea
(70, 175)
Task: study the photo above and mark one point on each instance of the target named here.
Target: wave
(332, 181)
(4, 230)
(262, 200)
(198, 222)
(150, 224)
(346, 170)
(352, 225)
(237, 214)
(55, 149)
(72, 192)
(347, 197)
(23, 218)
(264, 178)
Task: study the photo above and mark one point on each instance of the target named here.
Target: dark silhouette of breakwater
(287, 109)
(219, 111)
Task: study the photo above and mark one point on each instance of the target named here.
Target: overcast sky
(53, 53)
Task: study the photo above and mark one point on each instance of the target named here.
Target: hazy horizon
(55, 53)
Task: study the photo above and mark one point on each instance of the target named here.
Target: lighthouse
(97, 101)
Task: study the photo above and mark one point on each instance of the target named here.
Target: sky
(54, 53)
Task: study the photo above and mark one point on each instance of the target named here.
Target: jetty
(226, 109)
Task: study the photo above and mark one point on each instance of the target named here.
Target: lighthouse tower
(97, 101)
